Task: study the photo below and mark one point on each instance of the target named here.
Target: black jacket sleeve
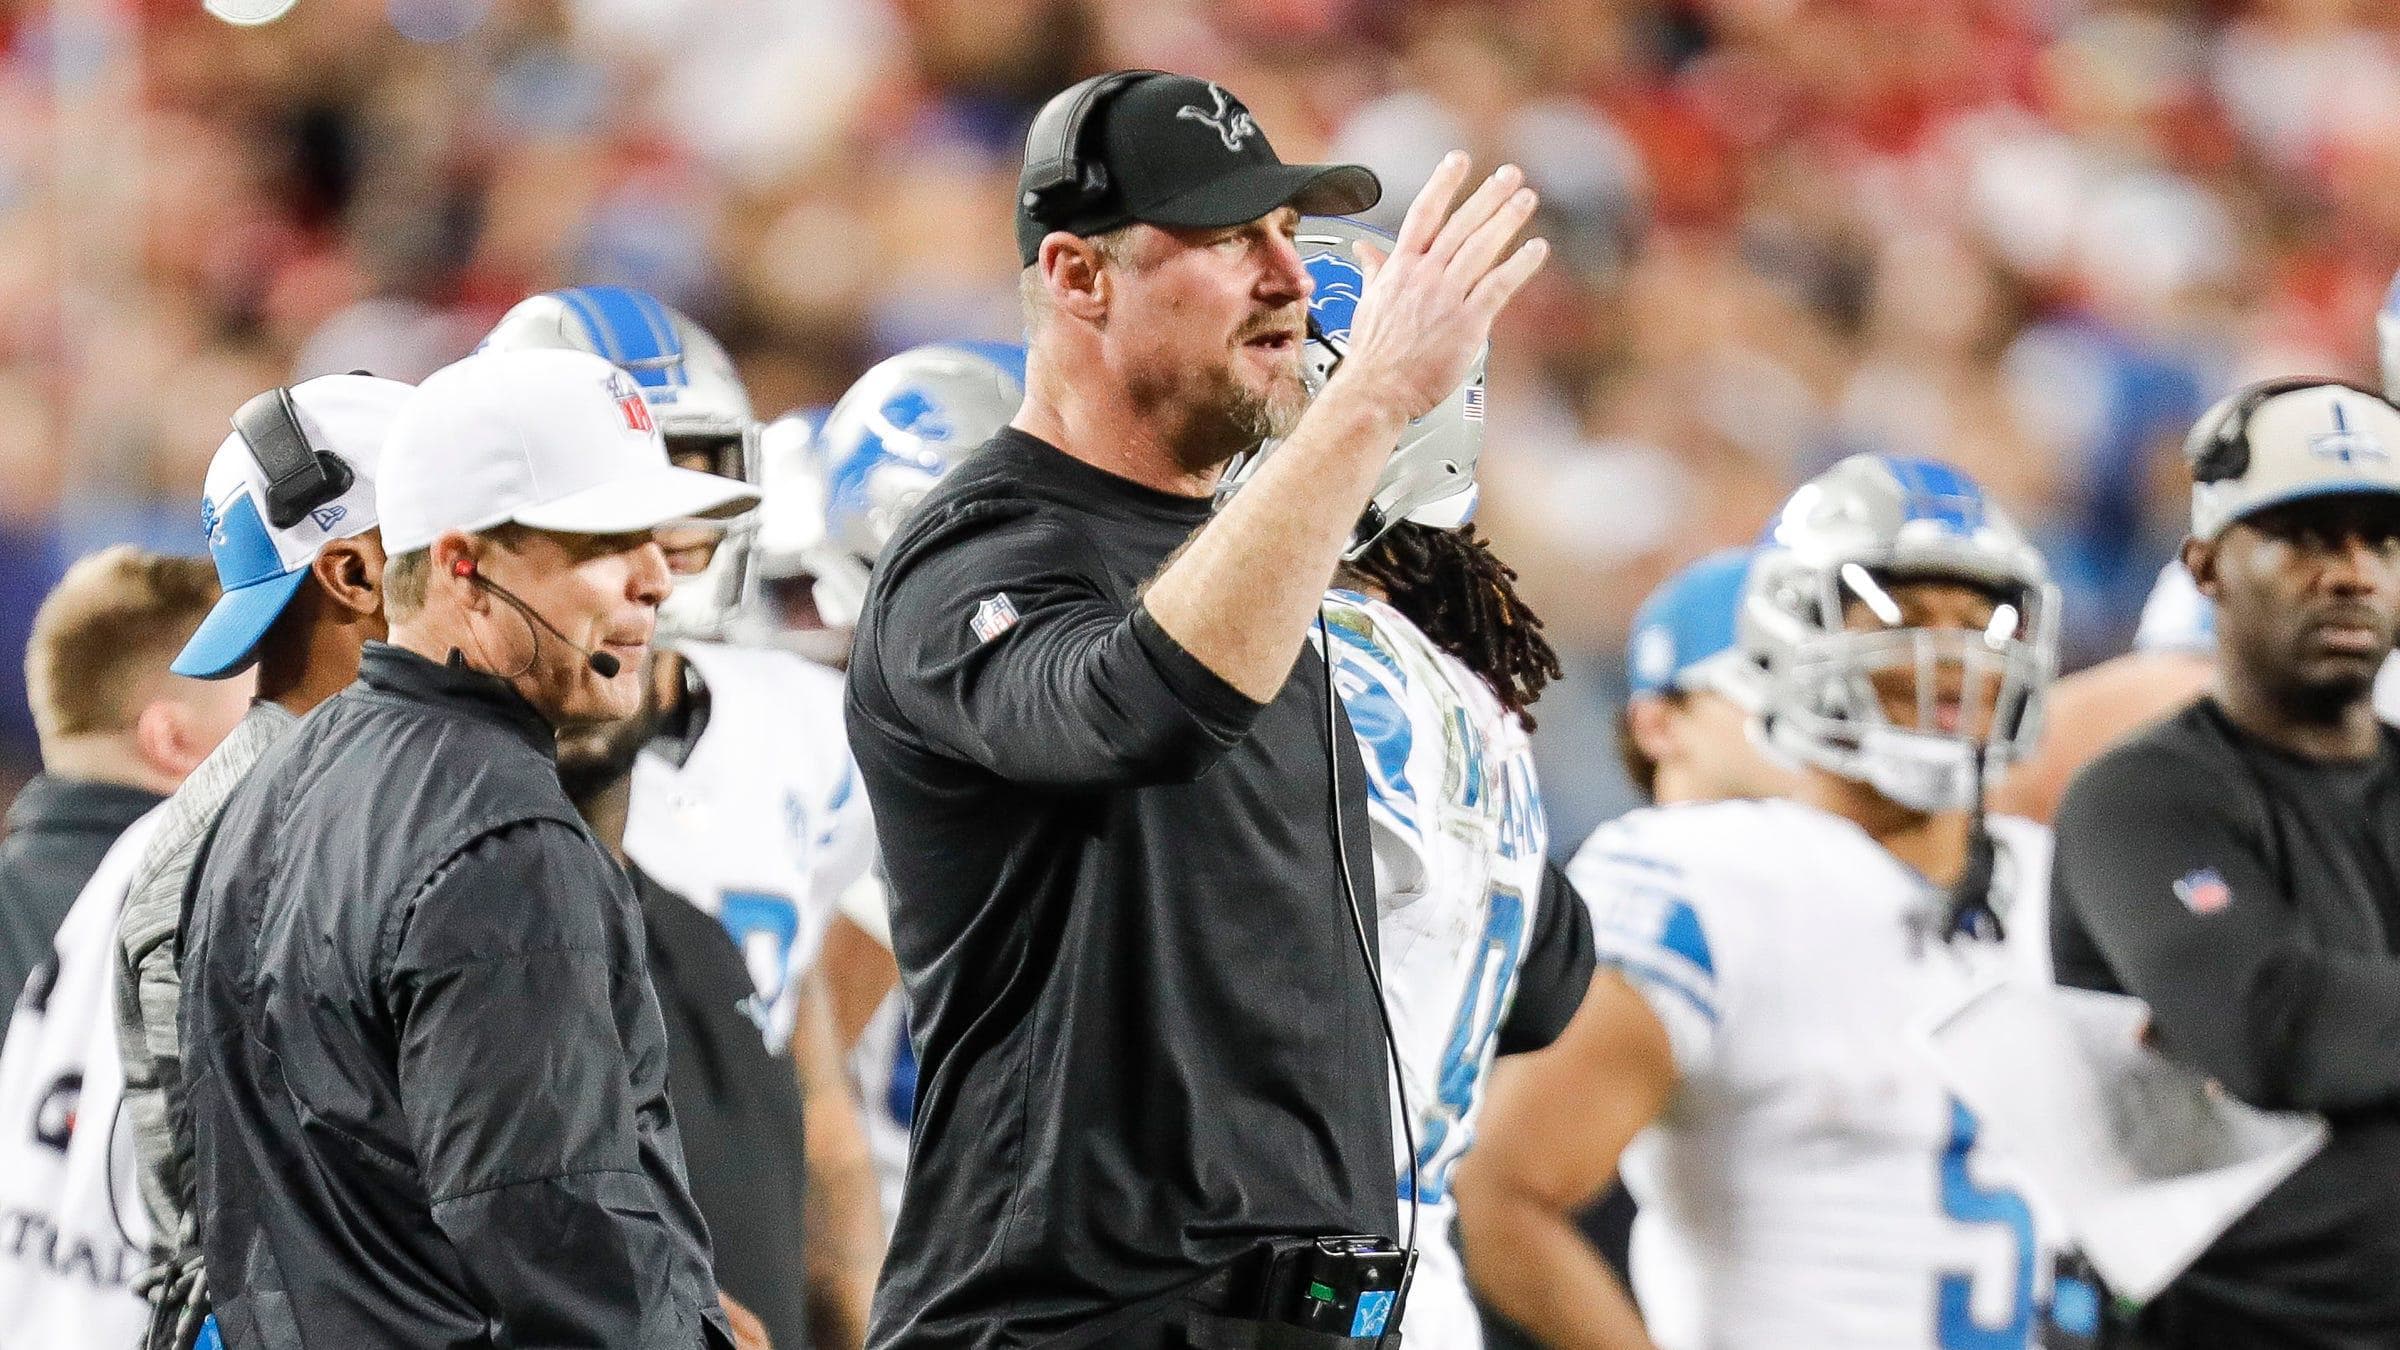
(1558, 967)
(2242, 993)
(998, 646)
(516, 1086)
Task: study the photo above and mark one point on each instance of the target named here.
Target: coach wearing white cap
(2237, 866)
(425, 1068)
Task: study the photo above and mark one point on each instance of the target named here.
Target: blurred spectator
(118, 732)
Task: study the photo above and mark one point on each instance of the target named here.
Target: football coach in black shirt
(2235, 865)
(1099, 757)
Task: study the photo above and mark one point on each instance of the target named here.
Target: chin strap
(1969, 912)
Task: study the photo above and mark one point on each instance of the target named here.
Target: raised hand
(1428, 307)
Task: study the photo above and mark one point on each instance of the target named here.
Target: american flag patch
(2203, 892)
(1473, 412)
(996, 615)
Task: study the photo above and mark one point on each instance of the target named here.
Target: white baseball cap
(261, 565)
(2287, 440)
(547, 438)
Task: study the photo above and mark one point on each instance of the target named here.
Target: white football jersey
(883, 1068)
(883, 1065)
(73, 1232)
(765, 822)
(1812, 1185)
(1459, 840)
(2178, 618)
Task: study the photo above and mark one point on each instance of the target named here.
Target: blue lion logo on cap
(1340, 282)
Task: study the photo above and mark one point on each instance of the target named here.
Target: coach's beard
(1216, 416)
(1271, 415)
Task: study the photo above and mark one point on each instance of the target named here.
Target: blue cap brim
(229, 636)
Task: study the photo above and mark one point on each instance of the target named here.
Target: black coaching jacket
(426, 1072)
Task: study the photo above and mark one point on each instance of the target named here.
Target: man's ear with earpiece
(453, 563)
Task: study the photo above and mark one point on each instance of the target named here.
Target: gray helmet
(695, 396)
(836, 493)
(797, 574)
(1868, 522)
(1430, 478)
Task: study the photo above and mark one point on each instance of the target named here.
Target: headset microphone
(603, 664)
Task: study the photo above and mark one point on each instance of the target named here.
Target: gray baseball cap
(2289, 440)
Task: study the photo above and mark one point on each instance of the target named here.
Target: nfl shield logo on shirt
(996, 615)
(2203, 892)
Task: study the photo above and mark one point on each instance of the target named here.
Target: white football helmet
(838, 486)
(1868, 523)
(1430, 478)
(798, 576)
(791, 509)
(697, 399)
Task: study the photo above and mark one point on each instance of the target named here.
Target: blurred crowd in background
(2035, 237)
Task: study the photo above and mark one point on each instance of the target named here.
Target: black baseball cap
(1165, 149)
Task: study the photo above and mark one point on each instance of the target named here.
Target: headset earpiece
(2219, 448)
(300, 477)
(463, 567)
(1059, 183)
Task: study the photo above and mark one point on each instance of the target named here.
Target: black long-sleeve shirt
(738, 1110)
(2250, 898)
(425, 1073)
(58, 830)
(1144, 1031)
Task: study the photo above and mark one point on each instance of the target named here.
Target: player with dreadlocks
(1459, 594)
(1485, 948)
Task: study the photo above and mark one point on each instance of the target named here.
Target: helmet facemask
(1921, 714)
(710, 559)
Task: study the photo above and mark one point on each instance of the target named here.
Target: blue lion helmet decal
(1430, 478)
(1340, 281)
(915, 412)
(904, 425)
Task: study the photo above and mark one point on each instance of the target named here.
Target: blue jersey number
(1964, 1200)
(763, 927)
(1441, 1140)
(900, 1088)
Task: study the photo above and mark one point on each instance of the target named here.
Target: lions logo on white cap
(2345, 444)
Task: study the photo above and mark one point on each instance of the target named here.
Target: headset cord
(1366, 954)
